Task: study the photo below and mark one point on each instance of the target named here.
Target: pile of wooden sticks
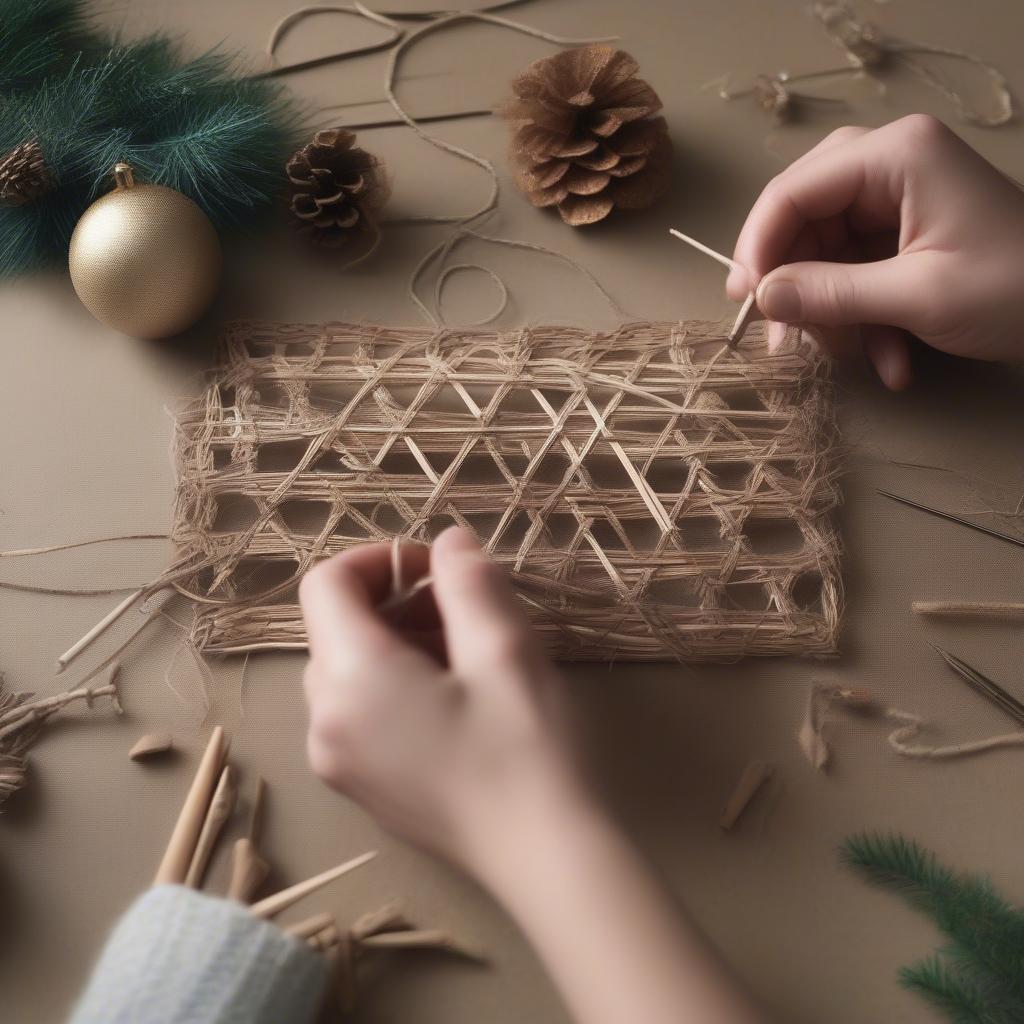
(209, 804)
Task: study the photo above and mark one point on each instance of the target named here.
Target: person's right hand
(903, 228)
(446, 722)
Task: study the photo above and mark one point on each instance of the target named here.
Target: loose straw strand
(1012, 611)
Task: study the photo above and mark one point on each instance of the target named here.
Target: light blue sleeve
(179, 957)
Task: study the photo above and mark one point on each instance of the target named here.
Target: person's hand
(443, 717)
(903, 228)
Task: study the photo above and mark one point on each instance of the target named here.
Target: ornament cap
(124, 176)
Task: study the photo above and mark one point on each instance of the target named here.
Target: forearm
(611, 935)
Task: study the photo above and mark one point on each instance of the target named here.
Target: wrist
(546, 829)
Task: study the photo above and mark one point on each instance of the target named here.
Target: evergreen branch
(959, 998)
(986, 933)
(191, 125)
(37, 37)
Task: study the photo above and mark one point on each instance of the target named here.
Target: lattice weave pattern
(652, 493)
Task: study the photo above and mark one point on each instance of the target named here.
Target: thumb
(840, 294)
(482, 619)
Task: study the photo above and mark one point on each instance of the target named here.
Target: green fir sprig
(978, 977)
(193, 125)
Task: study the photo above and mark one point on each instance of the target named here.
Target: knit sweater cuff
(178, 956)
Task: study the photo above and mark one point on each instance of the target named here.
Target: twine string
(868, 51)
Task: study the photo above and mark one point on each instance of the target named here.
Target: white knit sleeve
(179, 957)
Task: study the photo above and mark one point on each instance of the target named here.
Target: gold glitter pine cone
(24, 175)
(585, 140)
(337, 189)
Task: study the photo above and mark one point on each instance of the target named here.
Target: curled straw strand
(469, 222)
(398, 43)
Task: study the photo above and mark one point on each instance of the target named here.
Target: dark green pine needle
(978, 978)
(193, 125)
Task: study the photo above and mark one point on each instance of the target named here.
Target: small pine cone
(24, 175)
(337, 189)
(585, 139)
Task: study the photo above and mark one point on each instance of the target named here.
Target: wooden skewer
(746, 316)
(221, 806)
(420, 938)
(286, 897)
(706, 249)
(178, 855)
(1011, 610)
(748, 311)
(754, 776)
(309, 926)
(248, 871)
(109, 619)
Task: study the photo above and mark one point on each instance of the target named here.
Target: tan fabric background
(83, 453)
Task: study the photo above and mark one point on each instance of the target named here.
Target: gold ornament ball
(144, 259)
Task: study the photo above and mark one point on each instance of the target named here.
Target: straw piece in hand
(221, 807)
(286, 897)
(182, 846)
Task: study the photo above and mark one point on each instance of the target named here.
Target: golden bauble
(145, 259)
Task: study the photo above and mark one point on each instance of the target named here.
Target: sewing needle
(1019, 541)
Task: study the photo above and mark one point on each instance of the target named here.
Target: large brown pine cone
(585, 140)
(337, 189)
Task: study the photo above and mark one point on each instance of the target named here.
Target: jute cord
(468, 224)
(822, 697)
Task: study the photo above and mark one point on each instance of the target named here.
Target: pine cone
(24, 176)
(585, 140)
(338, 189)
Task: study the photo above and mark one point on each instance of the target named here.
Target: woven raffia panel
(653, 494)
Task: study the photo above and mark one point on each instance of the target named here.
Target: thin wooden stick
(178, 855)
(248, 871)
(1011, 610)
(109, 619)
(706, 249)
(286, 897)
(754, 776)
(221, 806)
(746, 316)
(419, 938)
(309, 926)
(748, 311)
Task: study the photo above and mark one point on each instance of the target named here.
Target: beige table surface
(84, 453)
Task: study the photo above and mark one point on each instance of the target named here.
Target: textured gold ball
(145, 259)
